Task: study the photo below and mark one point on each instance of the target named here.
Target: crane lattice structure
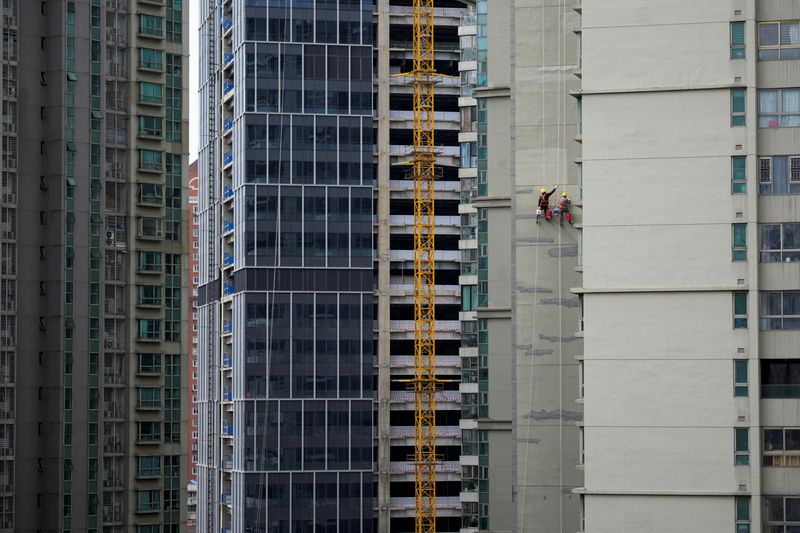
(424, 159)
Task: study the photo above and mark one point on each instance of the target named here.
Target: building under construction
(306, 300)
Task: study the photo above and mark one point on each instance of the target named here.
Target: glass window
(151, 160)
(148, 466)
(780, 378)
(781, 447)
(148, 329)
(742, 446)
(150, 228)
(739, 310)
(779, 40)
(148, 397)
(781, 514)
(150, 194)
(148, 363)
(740, 379)
(779, 108)
(780, 310)
(780, 242)
(151, 25)
(148, 294)
(151, 93)
(738, 174)
(737, 40)
(742, 504)
(148, 432)
(150, 126)
(148, 500)
(738, 107)
(151, 59)
(739, 242)
(149, 262)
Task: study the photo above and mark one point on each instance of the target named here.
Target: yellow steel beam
(424, 263)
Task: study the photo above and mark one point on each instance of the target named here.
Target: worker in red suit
(543, 207)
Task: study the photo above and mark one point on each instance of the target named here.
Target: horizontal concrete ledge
(492, 201)
(710, 494)
(500, 91)
(495, 425)
(635, 90)
(494, 312)
(624, 290)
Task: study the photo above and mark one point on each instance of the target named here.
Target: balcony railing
(225, 23)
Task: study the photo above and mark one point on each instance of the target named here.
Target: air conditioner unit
(110, 237)
(109, 343)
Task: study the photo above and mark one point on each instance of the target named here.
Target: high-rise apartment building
(308, 303)
(691, 288)
(520, 374)
(92, 309)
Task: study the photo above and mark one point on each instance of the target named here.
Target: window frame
(766, 319)
(778, 115)
(738, 250)
(741, 378)
(781, 254)
(738, 118)
(154, 30)
(144, 470)
(780, 457)
(150, 99)
(738, 183)
(154, 63)
(741, 446)
(151, 127)
(154, 368)
(144, 267)
(148, 329)
(774, 52)
(739, 318)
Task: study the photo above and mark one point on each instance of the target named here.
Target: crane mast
(424, 159)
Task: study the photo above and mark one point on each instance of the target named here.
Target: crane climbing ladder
(424, 159)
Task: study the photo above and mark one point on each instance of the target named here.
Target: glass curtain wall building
(285, 305)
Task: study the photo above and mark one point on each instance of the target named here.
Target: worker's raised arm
(551, 192)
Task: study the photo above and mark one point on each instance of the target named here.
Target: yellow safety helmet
(564, 194)
(542, 190)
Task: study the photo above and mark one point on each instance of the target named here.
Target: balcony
(113, 410)
(227, 327)
(227, 429)
(226, 499)
(227, 395)
(227, 126)
(113, 376)
(227, 159)
(112, 445)
(227, 226)
(228, 289)
(227, 193)
(227, 88)
(227, 360)
(227, 59)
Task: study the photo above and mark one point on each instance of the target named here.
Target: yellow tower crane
(424, 283)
